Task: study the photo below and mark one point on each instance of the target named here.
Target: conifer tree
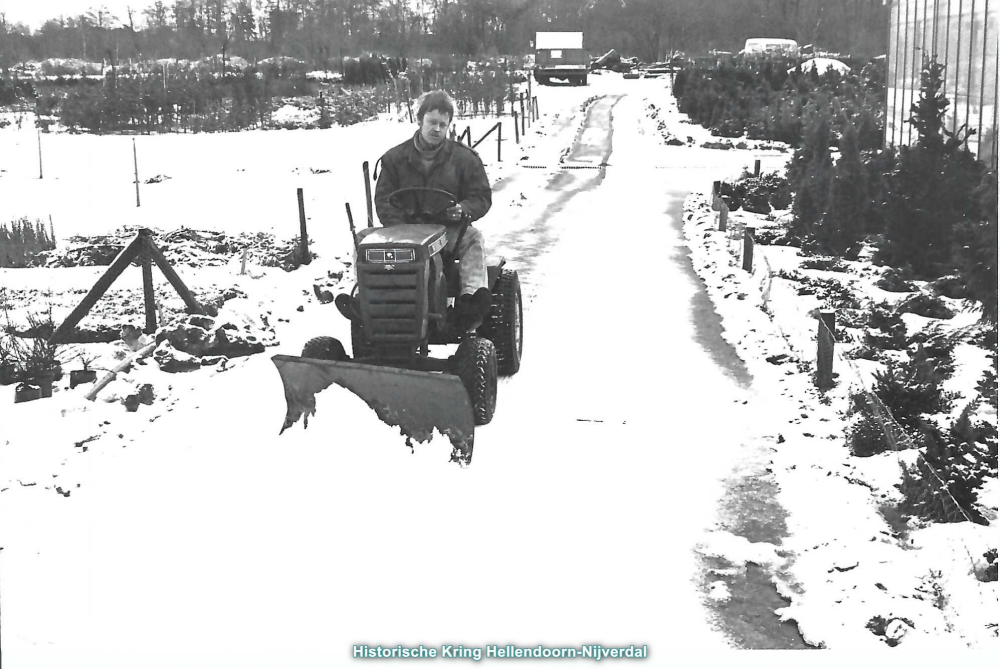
(809, 170)
(841, 226)
(930, 191)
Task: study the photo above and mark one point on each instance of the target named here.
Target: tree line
(322, 32)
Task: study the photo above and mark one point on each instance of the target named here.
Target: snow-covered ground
(189, 534)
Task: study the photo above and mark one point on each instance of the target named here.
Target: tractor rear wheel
(324, 348)
(361, 348)
(505, 326)
(476, 365)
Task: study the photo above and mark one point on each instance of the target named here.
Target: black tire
(324, 348)
(359, 346)
(476, 364)
(505, 324)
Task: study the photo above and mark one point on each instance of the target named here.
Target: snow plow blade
(416, 402)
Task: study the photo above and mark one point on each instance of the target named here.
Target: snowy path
(211, 539)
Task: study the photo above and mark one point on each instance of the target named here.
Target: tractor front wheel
(476, 365)
(324, 348)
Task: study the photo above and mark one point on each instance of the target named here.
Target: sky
(34, 13)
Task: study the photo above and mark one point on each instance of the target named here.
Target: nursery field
(709, 497)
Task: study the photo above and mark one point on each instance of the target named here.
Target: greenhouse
(962, 36)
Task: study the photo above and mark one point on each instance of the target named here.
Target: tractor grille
(394, 309)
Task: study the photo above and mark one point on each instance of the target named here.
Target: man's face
(434, 127)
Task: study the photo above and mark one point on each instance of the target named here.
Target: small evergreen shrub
(987, 385)
(951, 286)
(869, 432)
(825, 263)
(943, 486)
(894, 281)
(886, 329)
(926, 305)
(913, 389)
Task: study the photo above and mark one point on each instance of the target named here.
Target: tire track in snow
(524, 246)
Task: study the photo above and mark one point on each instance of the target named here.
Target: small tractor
(398, 309)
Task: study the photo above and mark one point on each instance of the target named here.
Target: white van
(771, 46)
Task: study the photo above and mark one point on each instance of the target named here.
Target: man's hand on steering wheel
(454, 213)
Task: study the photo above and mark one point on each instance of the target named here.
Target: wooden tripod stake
(145, 251)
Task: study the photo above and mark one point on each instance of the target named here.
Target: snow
(824, 65)
(189, 534)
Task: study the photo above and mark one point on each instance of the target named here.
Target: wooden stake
(748, 248)
(517, 136)
(827, 322)
(39, 153)
(102, 285)
(303, 235)
(147, 290)
(135, 161)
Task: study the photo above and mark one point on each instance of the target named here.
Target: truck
(560, 55)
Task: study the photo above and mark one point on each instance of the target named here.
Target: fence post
(517, 136)
(135, 161)
(499, 139)
(535, 106)
(39, 153)
(723, 216)
(827, 323)
(716, 200)
(303, 235)
(748, 248)
(756, 168)
(522, 112)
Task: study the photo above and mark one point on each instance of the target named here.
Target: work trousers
(472, 263)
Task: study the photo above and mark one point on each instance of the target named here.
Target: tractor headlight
(390, 256)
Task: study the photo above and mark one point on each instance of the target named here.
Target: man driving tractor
(429, 159)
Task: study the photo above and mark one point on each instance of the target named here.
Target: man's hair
(436, 101)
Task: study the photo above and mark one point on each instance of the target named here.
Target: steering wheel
(422, 203)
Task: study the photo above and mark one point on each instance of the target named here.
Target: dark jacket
(456, 169)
